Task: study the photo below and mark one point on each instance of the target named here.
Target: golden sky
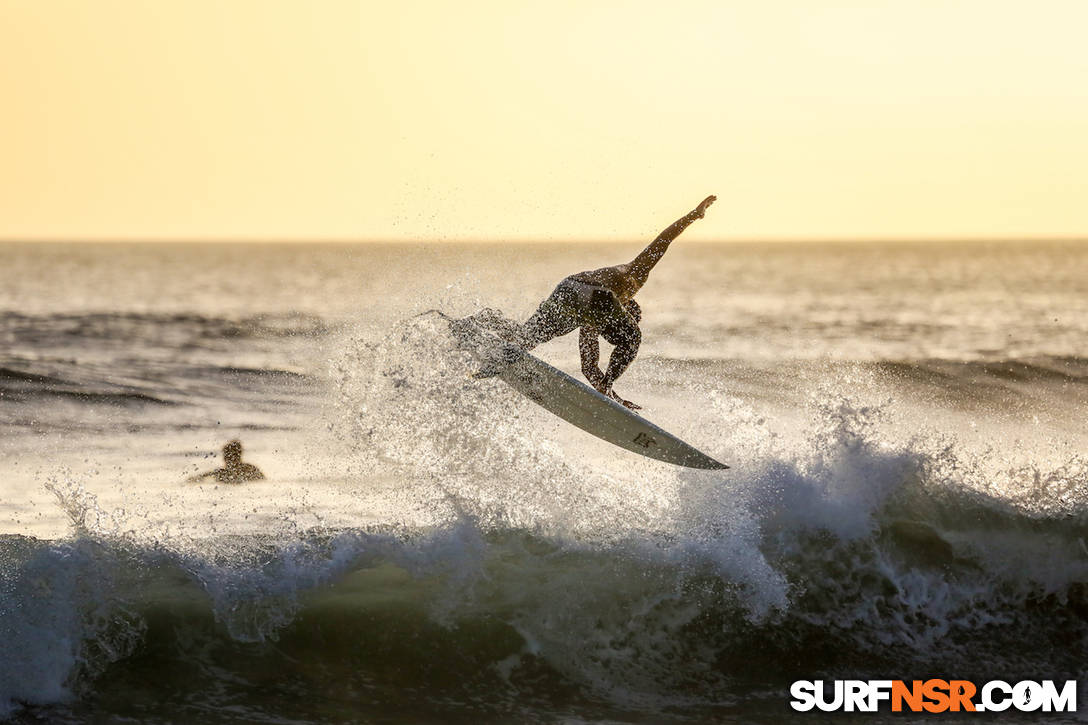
(560, 119)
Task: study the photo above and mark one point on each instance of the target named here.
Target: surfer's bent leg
(556, 316)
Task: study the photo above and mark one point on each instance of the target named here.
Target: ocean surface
(908, 497)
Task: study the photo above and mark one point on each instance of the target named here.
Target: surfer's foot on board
(608, 392)
(625, 403)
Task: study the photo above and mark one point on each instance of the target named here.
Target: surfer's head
(232, 453)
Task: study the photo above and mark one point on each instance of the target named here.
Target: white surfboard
(582, 406)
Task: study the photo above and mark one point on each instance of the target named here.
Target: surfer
(233, 470)
(599, 303)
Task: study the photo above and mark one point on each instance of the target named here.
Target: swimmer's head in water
(232, 453)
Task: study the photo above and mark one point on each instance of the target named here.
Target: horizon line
(569, 240)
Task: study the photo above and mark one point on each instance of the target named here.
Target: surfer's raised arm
(642, 264)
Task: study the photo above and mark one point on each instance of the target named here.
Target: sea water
(908, 495)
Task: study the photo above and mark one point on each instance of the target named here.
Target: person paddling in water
(600, 303)
(234, 469)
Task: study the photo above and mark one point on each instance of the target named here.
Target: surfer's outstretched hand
(699, 211)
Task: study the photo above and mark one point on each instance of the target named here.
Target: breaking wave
(512, 571)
